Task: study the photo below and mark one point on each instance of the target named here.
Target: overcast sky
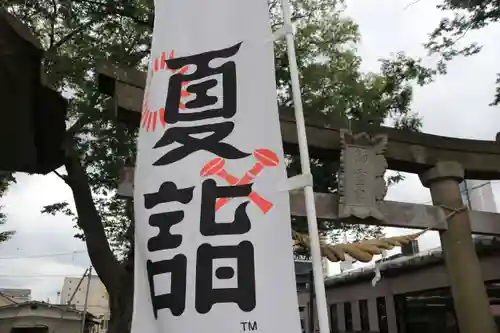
(44, 250)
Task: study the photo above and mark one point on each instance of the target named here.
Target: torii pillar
(464, 271)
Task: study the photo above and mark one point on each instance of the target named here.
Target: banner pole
(319, 284)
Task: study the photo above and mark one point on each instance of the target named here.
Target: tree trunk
(118, 278)
(122, 300)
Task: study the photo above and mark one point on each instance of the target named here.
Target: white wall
(98, 299)
(479, 194)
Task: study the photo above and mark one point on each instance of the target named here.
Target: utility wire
(44, 255)
(34, 276)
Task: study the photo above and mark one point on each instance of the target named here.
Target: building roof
(67, 308)
(16, 292)
(6, 297)
(398, 264)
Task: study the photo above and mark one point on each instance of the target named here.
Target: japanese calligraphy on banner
(213, 247)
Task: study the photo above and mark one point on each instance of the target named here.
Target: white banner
(213, 241)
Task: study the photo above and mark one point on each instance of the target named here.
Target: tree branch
(112, 9)
(101, 256)
(74, 33)
(125, 13)
(64, 178)
(77, 126)
(53, 23)
(83, 119)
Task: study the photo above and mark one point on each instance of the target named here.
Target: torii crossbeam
(407, 151)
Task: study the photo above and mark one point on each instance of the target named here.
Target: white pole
(319, 284)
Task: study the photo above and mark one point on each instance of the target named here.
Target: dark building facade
(413, 295)
(303, 270)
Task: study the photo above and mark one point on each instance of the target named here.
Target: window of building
(334, 321)
(493, 288)
(348, 316)
(382, 315)
(429, 311)
(363, 315)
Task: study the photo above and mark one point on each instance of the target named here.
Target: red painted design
(150, 118)
(265, 158)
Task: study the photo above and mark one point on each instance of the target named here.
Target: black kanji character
(190, 142)
(165, 240)
(244, 294)
(203, 70)
(210, 192)
(176, 299)
(168, 192)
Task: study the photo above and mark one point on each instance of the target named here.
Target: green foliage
(80, 34)
(5, 181)
(465, 16)
(332, 83)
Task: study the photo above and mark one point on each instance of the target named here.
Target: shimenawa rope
(365, 250)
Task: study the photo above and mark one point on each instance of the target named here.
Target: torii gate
(441, 162)
(32, 117)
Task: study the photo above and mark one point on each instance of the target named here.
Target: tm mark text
(247, 326)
